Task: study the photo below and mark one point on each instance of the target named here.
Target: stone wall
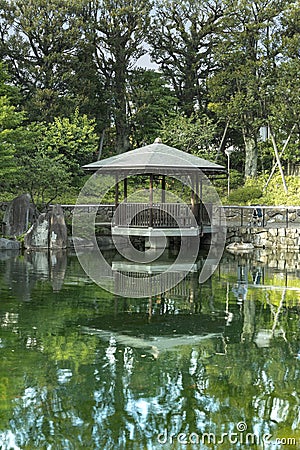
(104, 213)
(273, 238)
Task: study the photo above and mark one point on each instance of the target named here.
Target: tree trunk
(122, 135)
(120, 109)
(251, 156)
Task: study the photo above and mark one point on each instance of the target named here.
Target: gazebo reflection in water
(130, 277)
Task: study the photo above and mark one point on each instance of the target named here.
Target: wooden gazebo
(158, 162)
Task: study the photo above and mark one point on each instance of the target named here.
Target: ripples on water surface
(202, 366)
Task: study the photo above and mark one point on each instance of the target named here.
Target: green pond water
(215, 365)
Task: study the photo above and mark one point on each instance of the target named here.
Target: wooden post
(197, 187)
(125, 190)
(193, 194)
(163, 187)
(117, 191)
(197, 199)
(201, 201)
(151, 201)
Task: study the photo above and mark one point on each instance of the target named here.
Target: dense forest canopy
(227, 73)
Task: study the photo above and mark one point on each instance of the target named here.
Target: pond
(205, 366)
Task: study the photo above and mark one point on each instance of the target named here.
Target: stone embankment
(273, 238)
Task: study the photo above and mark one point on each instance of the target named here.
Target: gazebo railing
(164, 215)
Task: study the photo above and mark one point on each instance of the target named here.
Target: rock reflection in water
(23, 271)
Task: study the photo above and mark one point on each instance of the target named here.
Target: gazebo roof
(155, 158)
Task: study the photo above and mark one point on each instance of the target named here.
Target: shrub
(246, 195)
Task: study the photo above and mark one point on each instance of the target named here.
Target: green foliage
(181, 37)
(275, 194)
(44, 177)
(194, 134)
(49, 156)
(152, 101)
(285, 109)
(246, 195)
(255, 192)
(117, 40)
(72, 139)
(291, 36)
(221, 184)
(40, 41)
(242, 88)
(10, 119)
(232, 62)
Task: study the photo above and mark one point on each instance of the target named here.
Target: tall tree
(39, 41)
(247, 58)
(117, 32)
(151, 101)
(285, 108)
(182, 38)
(291, 31)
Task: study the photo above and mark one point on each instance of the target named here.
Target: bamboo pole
(222, 140)
(281, 153)
(278, 160)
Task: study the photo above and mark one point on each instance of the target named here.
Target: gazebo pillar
(193, 194)
(155, 242)
(117, 192)
(198, 201)
(151, 201)
(125, 189)
(201, 201)
(163, 189)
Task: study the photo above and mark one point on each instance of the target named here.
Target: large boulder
(18, 215)
(48, 231)
(58, 237)
(38, 234)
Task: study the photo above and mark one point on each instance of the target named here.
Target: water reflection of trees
(124, 397)
(73, 389)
